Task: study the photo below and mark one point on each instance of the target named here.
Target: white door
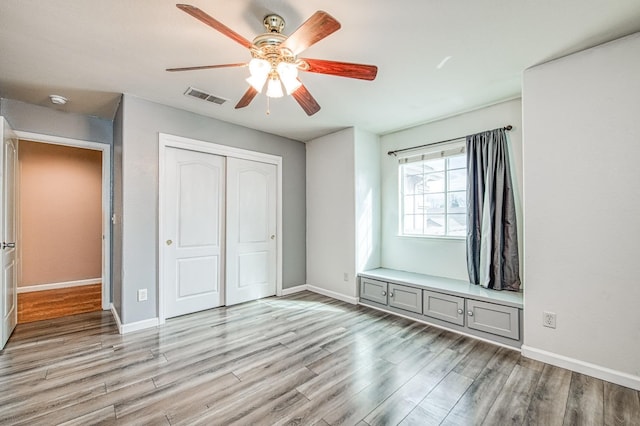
(193, 231)
(8, 285)
(251, 230)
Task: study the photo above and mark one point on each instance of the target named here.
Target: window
(433, 196)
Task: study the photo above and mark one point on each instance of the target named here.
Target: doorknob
(169, 242)
(273, 237)
(8, 245)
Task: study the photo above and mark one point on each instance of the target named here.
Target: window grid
(433, 195)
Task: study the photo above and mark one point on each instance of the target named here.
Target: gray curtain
(492, 239)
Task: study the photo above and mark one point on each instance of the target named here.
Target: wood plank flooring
(61, 302)
(299, 360)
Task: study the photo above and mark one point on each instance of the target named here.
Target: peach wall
(60, 197)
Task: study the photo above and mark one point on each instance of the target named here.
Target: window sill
(432, 237)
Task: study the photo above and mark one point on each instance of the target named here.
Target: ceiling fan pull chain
(268, 111)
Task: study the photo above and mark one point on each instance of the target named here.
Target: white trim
(293, 290)
(493, 342)
(332, 294)
(134, 326)
(604, 373)
(166, 140)
(116, 317)
(53, 286)
(106, 197)
(139, 325)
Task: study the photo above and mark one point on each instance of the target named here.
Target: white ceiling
(92, 50)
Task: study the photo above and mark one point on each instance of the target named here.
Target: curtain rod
(507, 128)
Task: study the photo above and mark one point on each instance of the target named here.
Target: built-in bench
(453, 304)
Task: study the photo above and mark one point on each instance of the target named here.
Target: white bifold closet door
(193, 231)
(251, 230)
(219, 231)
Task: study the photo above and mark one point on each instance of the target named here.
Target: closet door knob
(470, 313)
(384, 293)
(460, 311)
(391, 294)
(169, 242)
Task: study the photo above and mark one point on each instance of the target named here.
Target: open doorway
(63, 223)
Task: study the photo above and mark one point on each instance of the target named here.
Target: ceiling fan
(275, 62)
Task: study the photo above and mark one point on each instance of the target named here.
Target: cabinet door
(444, 307)
(492, 318)
(407, 298)
(373, 290)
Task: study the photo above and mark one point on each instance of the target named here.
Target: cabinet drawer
(444, 307)
(373, 290)
(492, 318)
(407, 298)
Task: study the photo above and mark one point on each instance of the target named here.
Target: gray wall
(116, 212)
(48, 121)
(142, 121)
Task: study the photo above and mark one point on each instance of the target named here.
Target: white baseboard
(292, 290)
(134, 326)
(332, 294)
(604, 373)
(53, 286)
(116, 317)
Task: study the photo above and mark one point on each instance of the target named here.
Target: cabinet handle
(460, 311)
(384, 293)
(470, 313)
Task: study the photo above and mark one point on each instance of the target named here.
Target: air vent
(197, 93)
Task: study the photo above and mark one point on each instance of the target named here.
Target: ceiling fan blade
(306, 101)
(207, 67)
(215, 24)
(247, 97)
(341, 69)
(314, 29)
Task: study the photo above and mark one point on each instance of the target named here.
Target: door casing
(167, 140)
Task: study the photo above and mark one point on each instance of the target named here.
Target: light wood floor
(299, 360)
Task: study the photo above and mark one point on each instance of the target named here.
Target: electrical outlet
(549, 319)
(142, 295)
(345, 276)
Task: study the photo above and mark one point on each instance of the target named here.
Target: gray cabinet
(373, 290)
(444, 307)
(493, 318)
(447, 303)
(407, 298)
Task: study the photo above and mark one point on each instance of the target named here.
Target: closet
(218, 223)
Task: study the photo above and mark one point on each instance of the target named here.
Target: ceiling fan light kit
(275, 63)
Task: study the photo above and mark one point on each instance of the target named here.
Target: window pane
(457, 202)
(435, 165)
(434, 225)
(457, 179)
(434, 203)
(434, 197)
(413, 224)
(413, 204)
(434, 182)
(458, 162)
(412, 184)
(457, 225)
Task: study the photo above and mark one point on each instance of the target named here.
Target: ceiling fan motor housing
(273, 23)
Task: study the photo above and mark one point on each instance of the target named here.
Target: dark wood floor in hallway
(299, 360)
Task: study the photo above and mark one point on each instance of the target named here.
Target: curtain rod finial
(508, 127)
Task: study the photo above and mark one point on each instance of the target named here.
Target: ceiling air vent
(197, 93)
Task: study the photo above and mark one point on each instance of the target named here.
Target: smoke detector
(58, 100)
